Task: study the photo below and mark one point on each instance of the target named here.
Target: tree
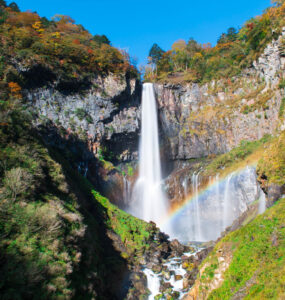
(155, 53)
(180, 55)
(232, 34)
(14, 7)
(277, 2)
(63, 19)
(101, 39)
(3, 13)
(222, 39)
(17, 181)
(3, 3)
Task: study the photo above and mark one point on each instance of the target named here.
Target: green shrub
(282, 108)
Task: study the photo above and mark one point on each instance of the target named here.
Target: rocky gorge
(195, 121)
(91, 155)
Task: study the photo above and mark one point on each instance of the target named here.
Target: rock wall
(106, 116)
(197, 121)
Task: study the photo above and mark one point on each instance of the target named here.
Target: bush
(17, 181)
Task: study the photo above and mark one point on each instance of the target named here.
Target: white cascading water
(148, 200)
(197, 217)
(213, 209)
(262, 204)
(185, 187)
(226, 209)
(127, 191)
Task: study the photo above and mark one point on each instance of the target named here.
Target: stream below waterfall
(170, 279)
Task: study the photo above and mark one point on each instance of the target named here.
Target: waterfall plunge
(213, 209)
(148, 200)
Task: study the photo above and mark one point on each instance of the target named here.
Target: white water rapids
(174, 267)
(148, 200)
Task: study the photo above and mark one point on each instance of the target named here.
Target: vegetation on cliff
(59, 237)
(248, 263)
(235, 50)
(58, 49)
(271, 166)
(247, 153)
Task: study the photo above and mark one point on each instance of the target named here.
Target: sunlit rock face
(210, 211)
(199, 120)
(192, 127)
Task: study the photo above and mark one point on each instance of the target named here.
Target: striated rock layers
(197, 121)
(105, 116)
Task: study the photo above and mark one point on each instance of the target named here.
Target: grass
(133, 232)
(248, 152)
(54, 226)
(272, 163)
(257, 269)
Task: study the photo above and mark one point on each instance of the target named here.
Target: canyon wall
(200, 120)
(101, 122)
(105, 116)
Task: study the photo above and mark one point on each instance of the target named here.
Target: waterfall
(185, 187)
(262, 203)
(197, 223)
(148, 200)
(227, 202)
(220, 204)
(207, 214)
(127, 191)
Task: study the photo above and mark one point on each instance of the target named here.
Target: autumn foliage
(59, 45)
(15, 89)
(234, 51)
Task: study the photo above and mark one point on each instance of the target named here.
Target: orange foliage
(23, 19)
(38, 27)
(15, 89)
(76, 42)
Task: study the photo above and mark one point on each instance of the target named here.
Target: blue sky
(135, 25)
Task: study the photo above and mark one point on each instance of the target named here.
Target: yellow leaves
(56, 35)
(179, 45)
(15, 89)
(198, 56)
(38, 27)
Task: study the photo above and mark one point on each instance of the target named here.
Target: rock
(178, 277)
(189, 137)
(164, 286)
(185, 284)
(139, 285)
(176, 248)
(166, 275)
(156, 269)
(275, 192)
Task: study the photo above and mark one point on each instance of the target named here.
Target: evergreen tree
(3, 3)
(101, 39)
(155, 53)
(14, 7)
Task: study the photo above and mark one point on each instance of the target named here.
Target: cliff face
(105, 116)
(197, 121)
(101, 122)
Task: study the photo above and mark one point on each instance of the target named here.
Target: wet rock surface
(178, 273)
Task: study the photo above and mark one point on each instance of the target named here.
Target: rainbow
(178, 211)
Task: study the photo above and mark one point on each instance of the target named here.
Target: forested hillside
(237, 49)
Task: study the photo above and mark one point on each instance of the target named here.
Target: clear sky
(135, 25)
